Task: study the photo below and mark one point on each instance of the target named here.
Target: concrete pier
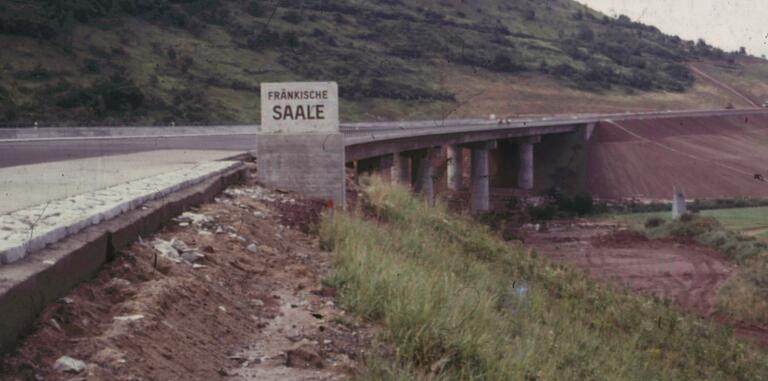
(384, 167)
(401, 168)
(525, 172)
(479, 177)
(455, 168)
(424, 173)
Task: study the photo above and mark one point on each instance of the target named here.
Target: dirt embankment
(231, 291)
(705, 157)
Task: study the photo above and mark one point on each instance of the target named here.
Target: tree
(530, 15)
(254, 9)
(586, 34)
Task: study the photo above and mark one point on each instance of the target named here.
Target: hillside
(201, 61)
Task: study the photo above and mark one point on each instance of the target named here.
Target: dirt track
(705, 157)
(238, 313)
(685, 274)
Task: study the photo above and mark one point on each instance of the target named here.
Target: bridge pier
(424, 173)
(479, 177)
(380, 166)
(455, 167)
(525, 171)
(401, 168)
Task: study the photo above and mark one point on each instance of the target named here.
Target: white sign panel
(293, 107)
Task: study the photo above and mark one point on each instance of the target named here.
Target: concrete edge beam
(29, 285)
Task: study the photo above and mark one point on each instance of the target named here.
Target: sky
(727, 24)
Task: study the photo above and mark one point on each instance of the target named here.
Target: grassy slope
(409, 59)
(459, 304)
(747, 76)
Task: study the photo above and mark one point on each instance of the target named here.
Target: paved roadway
(33, 184)
(42, 151)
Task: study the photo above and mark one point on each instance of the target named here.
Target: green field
(744, 220)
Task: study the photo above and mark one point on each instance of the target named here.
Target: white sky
(727, 24)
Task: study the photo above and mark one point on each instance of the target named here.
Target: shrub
(115, 95)
(503, 62)
(36, 74)
(292, 17)
(254, 9)
(586, 34)
(91, 66)
(689, 226)
(654, 222)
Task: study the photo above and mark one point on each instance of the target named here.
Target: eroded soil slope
(705, 157)
(239, 298)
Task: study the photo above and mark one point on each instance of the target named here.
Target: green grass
(457, 303)
(736, 219)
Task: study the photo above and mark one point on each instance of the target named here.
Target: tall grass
(459, 304)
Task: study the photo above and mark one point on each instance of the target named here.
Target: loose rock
(304, 357)
(66, 364)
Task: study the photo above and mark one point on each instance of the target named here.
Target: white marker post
(300, 147)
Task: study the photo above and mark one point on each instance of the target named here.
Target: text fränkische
(308, 111)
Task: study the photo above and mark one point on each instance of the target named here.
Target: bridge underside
(619, 157)
(509, 166)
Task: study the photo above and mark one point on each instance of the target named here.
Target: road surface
(34, 184)
(13, 153)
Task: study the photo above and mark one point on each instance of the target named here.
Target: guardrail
(350, 129)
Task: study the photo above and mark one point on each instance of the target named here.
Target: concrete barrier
(29, 285)
(79, 133)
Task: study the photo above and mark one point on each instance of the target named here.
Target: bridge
(407, 151)
(73, 196)
(314, 164)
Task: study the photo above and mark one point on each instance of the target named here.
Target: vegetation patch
(459, 304)
(378, 51)
(745, 296)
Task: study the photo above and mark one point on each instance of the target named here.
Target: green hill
(201, 61)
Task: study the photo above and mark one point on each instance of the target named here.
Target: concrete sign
(300, 107)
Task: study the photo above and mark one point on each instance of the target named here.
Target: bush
(117, 95)
(688, 226)
(293, 17)
(36, 74)
(542, 213)
(91, 66)
(254, 9)
(586, 34)
(654, 222)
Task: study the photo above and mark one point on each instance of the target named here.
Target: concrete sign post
(300, 147)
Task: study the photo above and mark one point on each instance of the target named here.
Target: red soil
(705, 157)
(686, 274)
